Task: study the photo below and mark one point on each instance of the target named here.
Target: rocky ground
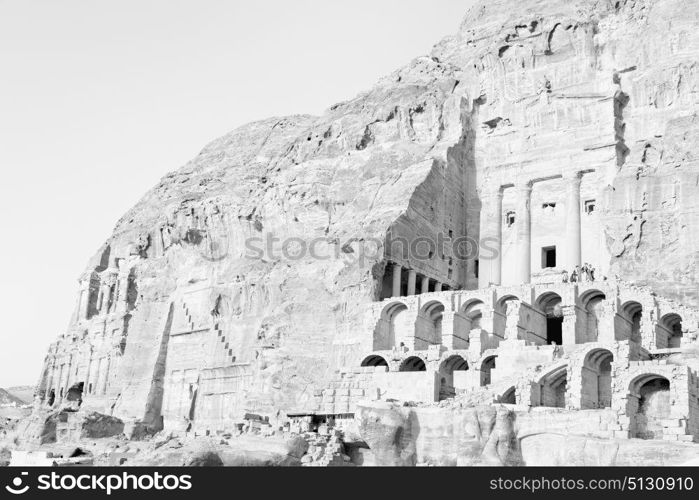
(250, 447)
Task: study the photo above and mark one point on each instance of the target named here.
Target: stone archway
(596, 389)
(648, 404)
(486, 368)
(446, 375)
(509, 397)
(413, 364)
(393, 328)
(592, 302)
(430, 325)
(631, 313)
(374, 360)
(549, 304)
(473, 311)
(668, 333)
(553, 386)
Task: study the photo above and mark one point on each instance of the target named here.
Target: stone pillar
(88, 374)
(605, 323)
(570, 322)
(490, 249)
(121, 296)
(104, 294)
(425, 285)
(438, 287)
(59, 382)
(448, 329)
(512, 320)
(524, 233)
(572, 232)
(397, 271)
(412, 280)
(103, 389)
(84, 298)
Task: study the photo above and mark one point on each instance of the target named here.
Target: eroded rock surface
(405, 436)
(501, 435)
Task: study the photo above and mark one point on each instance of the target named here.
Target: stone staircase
(189, 319)
(223, 354)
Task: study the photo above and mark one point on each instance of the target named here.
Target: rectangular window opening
(510, 219)
(548, 257)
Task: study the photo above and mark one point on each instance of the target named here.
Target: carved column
(84, 299)
(104, 297)
(425, 285)
(438, 287)
(490, 249)
(103, 389)
(397, 271)
(524, 233)
(412, 280)
(121, 296)
(572, 231)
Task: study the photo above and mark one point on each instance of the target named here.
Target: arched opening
(509, 397)
(486, 369)
(52, 397)
(592, 301)
(75, 393)
(393, 329)
(374, 360)
(597, 380)
(631, 313)
(473, 311)
(550, 304)
(669, 332)
(446, 372)
(649, 403)
(431, 326)
(413, 364)
(553, 388)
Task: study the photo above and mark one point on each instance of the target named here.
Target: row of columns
(490, 269)
(397, 280)
(64, 373)
(110, 288)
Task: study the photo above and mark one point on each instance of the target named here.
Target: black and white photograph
(456, 234)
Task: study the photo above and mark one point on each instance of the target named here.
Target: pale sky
(99, 99)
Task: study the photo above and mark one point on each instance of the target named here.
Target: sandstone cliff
(181, 315)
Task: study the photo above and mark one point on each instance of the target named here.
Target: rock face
(486, 435)
(241, 280)
(403, 436)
